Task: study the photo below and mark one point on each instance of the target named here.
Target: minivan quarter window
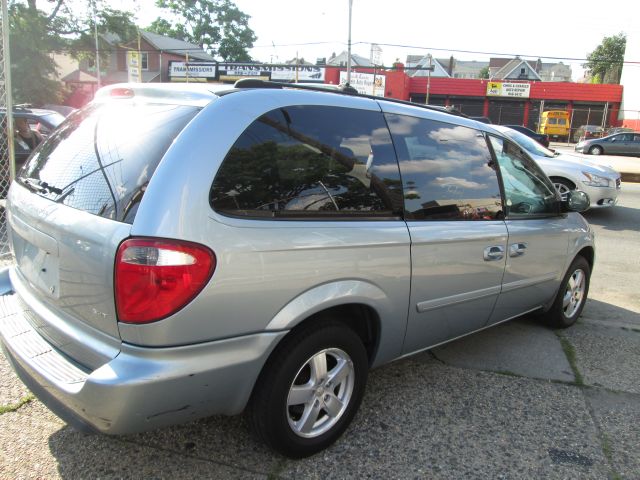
(311, 162)
(447, 170)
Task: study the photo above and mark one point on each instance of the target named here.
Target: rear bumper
(141, 388)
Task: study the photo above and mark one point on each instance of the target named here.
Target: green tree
(484, 72)
(217, 26)
(604, 64)
(60, 26)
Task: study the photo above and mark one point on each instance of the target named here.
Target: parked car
(618, 144)
(568, 172)
(63, 110)
(585, 132)
(189, 250)
(613, 130)
(538, 137)
(40, 120)
(486, 120)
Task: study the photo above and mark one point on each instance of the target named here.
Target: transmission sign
(508, 89)
(366, 83)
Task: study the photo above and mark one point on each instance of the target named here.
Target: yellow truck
(555, 124)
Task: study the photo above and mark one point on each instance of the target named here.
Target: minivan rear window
(101, 159)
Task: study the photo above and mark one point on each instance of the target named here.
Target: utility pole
(95, 33)
(429, 69)
(349, 46)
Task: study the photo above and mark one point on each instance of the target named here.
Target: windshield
(529, 144)
(102, 157)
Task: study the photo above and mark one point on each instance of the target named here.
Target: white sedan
(567, 172)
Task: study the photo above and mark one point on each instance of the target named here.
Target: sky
(566, 30)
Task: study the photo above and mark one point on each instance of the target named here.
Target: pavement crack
(603, 439)
(435, 357)
(277, 469)
(13, 407)
(570, 352)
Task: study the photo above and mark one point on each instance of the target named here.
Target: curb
(630, 177)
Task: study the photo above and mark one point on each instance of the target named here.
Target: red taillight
(156, 278)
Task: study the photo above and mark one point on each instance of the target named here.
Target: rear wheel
(596, 150)
(310, 389)
(571, 296)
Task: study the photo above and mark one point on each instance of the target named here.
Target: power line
(439, 49)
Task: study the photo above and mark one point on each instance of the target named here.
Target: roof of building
(416, 68)
(356, 60)
(78, 76)
(173, 45)
(508, 68)
(165, 44)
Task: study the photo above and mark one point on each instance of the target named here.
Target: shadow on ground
(615, 219)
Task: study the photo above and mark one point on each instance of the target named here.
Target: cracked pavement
(503, 403)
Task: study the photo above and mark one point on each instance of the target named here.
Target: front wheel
(310, 390)
(596, 150)
(571, 296)
(563, 186)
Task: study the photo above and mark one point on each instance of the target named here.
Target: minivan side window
(311, 162)
(528, 192)
(447, 170)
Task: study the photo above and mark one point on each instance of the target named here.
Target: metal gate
(6, 132)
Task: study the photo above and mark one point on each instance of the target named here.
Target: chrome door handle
(517, 249)
(493, 253)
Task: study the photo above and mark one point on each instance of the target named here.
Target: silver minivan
(183, 251)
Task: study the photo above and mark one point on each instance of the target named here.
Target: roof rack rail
(257, 83)
(345, 89)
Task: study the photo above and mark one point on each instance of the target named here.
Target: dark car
(586, 132)
(614, 130)
(40, 120)
(486, 120)
(541, 138)
(618, 144)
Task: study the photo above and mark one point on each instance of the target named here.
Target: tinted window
(447, 170)
(527, 190)
(103, 157)
(311, 161)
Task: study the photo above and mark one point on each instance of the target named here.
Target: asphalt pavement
(516, 401)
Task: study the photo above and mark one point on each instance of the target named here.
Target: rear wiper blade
(38, 185)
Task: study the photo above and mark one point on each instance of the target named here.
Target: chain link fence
(6, 147)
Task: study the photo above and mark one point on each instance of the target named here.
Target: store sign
(182, 70)
(286, 73)
(366, 83)
(134, 69)
(508, 89)
(301, 73)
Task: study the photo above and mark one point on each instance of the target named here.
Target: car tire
(596, 150)
(324, 368)
(571, 296)
(563, 186)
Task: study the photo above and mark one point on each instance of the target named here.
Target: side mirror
(577, 201)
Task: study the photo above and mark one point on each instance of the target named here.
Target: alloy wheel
(574, 294)
(562, 189)
(320, 392)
